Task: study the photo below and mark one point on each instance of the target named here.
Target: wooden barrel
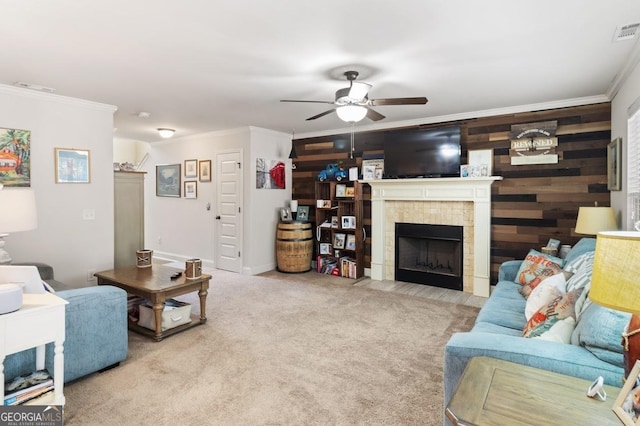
(294, 246)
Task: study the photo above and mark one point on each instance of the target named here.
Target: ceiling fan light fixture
(166, 133)
(351, 113)
(358, 90)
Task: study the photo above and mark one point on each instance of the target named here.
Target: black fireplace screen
(429, 254)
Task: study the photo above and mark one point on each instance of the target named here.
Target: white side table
(38, 322)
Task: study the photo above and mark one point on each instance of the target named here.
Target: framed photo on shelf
(336, 253)
(334, 222)
(626, 400)
(190, 189)
(350, 192)
(351, 242)
(341, 190)
(168, 180)
(348, 222)
(614, 164)
(339, 240)
(302, 213)
(73, 165)
(480, 162)
(325, 248)
(285, 214)
(190, 168)
(204, 170)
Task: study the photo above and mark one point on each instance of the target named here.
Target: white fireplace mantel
(476, 190)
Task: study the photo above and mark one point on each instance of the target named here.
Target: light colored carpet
(283, 351)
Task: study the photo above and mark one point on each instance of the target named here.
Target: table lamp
(615, 284)
(17, 213)
(592, 220)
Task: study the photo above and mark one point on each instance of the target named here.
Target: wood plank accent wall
(530, 205)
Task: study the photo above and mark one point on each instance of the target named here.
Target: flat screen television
(422, 153)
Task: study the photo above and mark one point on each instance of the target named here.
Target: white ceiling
(206, 65)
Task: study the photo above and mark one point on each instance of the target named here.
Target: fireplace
(443, 201)
(429, 254)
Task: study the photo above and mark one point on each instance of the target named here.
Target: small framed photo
(350, 192)
(341, 190)
(614, 165)
(190, 168)
(285, 214)
(628, 398)
(334, 222)
(168, 180)
(339, 240)
(73, 165)
(325, 248)
(351, 242)
(204, 170)
(303, 213)
(348, 222)
(190, 189)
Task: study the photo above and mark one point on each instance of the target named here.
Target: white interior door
(229, 211)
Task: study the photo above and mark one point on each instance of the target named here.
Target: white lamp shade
(17, 210)
(293, 204)
(351, 113)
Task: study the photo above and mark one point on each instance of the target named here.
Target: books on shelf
(342, 267)
(27, 387)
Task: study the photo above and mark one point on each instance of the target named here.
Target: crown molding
(565, 103)
(33, 94)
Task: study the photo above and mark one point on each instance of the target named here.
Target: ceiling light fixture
(351, 113)
(166, 133)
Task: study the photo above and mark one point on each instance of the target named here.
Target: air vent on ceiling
(34, 87)
(626, 32)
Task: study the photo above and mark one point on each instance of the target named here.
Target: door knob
(217, 217)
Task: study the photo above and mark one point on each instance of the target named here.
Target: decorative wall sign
(534, 143)
(270, 174)
(15, 157)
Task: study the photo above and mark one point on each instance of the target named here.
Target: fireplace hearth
(429, 254)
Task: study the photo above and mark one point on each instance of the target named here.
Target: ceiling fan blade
(399, 101)
(309, 102)
(374, 115)
(322, 114)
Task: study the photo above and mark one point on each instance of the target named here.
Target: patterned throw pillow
(582, 275)
(536, 267)
(544, 293)
(560, 308)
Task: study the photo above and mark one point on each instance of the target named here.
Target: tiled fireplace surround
(462, 202)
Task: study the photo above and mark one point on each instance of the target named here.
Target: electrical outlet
(90, 276)
(88, 214)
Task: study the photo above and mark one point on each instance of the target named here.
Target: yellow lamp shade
(592, 220)
(615, 281)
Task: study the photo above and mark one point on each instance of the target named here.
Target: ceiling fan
(352, 103)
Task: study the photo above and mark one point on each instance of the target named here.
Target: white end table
(38, 322)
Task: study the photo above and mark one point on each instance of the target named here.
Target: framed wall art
(614, 165)
(72, 165)
(190, 189)
(15, 157)
(168, 180)
(204, 170)
(190, 168)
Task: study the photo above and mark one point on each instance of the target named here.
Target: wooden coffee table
(156, 285)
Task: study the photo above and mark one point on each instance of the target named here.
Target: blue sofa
(595, 348)
(96, 335)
